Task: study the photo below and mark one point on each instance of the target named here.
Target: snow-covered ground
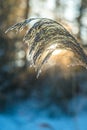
(27, 116)
(43, 123)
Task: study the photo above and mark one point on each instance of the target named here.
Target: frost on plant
(44, 37)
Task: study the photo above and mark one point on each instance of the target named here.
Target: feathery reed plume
(44, 37)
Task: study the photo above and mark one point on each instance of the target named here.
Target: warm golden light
(61, 58)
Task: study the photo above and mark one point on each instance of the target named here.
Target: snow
(25, 116)
(63, 123)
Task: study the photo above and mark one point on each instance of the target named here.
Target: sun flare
(56, 52)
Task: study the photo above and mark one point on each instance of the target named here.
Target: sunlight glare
(56, 52)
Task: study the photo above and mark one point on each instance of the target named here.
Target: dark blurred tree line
(60, 6)
(16, 82)
(83, 9)
(10, 12)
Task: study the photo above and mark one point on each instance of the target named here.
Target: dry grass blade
(42, 38)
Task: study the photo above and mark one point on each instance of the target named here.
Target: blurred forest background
(17, 81)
